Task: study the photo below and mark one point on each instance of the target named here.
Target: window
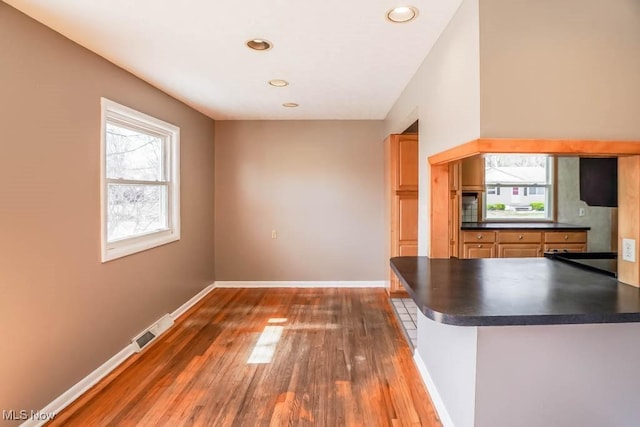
(518, 187)
(140, 181)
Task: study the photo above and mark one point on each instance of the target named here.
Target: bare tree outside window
(134, 207)
(140, 182)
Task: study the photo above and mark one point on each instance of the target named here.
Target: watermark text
(24, 415)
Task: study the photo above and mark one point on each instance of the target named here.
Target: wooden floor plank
(340, 360)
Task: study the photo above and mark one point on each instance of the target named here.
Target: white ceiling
(343, 59)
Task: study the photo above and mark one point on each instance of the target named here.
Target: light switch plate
(629, 250)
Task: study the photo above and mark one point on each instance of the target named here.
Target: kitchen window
(139, 181)
(518, 187)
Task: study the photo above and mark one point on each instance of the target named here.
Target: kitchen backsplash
(469, 208)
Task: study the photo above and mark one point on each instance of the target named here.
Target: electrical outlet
(274, 234)
(581, 212)
(629, 250)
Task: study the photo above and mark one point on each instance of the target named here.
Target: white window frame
(549, 186)
(119, 114)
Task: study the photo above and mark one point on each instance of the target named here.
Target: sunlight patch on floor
(265, 348)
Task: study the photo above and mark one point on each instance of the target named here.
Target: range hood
(599, 181)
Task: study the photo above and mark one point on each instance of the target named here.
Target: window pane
(515, 169)
(133, 154)
(516, 203)
(135, 209)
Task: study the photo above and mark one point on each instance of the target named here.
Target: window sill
(137, 244)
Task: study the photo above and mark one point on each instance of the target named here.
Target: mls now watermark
(24, 415)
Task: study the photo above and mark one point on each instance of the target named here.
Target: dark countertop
(514, 291)
(550, 226)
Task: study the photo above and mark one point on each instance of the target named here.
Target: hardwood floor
(340, 360)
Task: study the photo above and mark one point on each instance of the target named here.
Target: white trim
(112, 111)
(66, 398)
(304, 284)
(193, 301)
(82, 386)
(433, 391)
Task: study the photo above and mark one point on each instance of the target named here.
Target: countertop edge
(523, 226)
(514, 320)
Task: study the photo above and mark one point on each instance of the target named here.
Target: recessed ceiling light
(278, 83)
(259, 44)
(290, 104)
(402, 14)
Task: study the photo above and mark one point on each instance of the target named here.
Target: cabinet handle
(479, 246)
(520, 237)
(566, 237)
(479, 236)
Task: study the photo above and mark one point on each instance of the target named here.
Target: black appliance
(599, 181)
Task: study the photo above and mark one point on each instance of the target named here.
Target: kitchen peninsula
(525, 342)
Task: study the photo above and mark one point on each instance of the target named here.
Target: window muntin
(518, 187)
(140, 181)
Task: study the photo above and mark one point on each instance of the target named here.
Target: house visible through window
(140, 181)
(518, 187)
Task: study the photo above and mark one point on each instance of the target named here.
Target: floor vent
(152, 332)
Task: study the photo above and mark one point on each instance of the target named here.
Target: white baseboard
(69, 396)
(433, 391)
(304, 284)
(66, 398)
(193, 301)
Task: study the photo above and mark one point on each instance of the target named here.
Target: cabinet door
(479, 250)
(407, 218)
(524, 250)
(473, 173)
(565, 247)
(407, 170)
(410, 249)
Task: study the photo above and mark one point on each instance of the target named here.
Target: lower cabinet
(520, 243)
(519, 250)
(565, 247)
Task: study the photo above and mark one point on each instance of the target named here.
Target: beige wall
(445, 95)
(62, 312)
(562, 69)
(318, 183)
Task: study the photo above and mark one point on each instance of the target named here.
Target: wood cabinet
(565, 247)
(455, 205)
(407, 163)
(565, 237)
(520, 243)
(519, 250)
(478, 244)
(479, 250)
(473, 173)
(401, 172)
(565, 241)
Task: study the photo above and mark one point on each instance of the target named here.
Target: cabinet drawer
(519, 237)
(565, 237)
(515, 250)
(479, 250)
(479, 236)
(565, 247)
